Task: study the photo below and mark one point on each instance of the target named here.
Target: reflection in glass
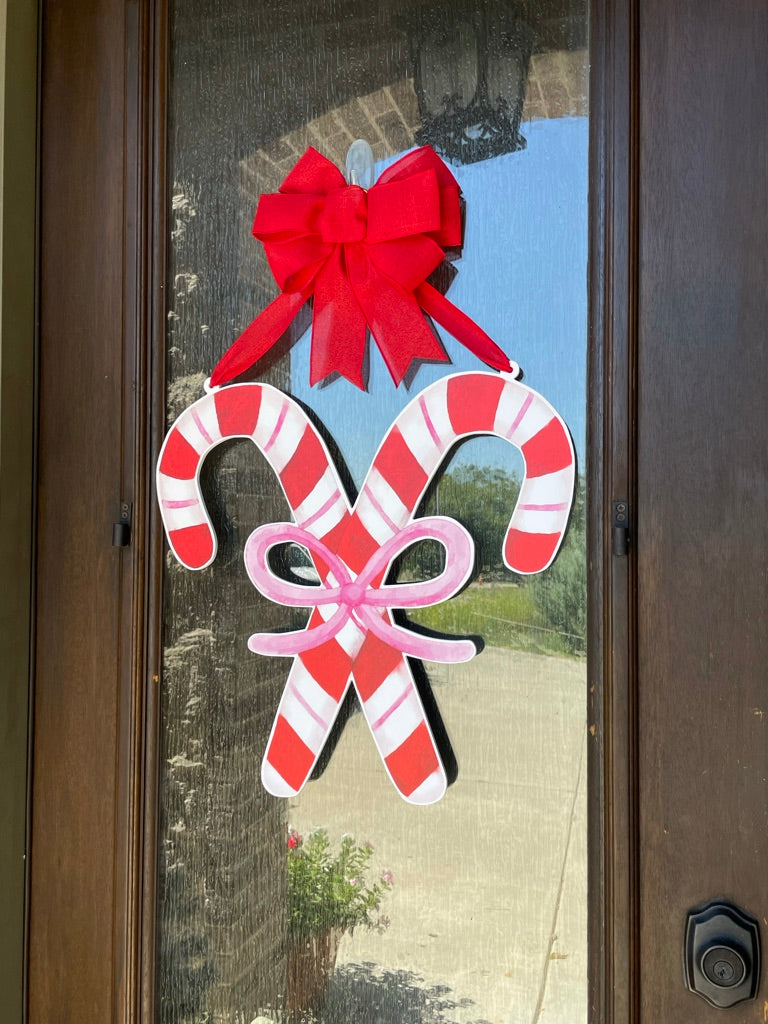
(448, 67)
(470, 79)
(266, 910)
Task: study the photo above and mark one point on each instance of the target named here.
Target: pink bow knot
(362, 599)
(352, 594)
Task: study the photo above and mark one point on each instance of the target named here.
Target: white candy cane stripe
(553, 488)
(324, 499)
(536, 414)
(176, 492)
(406, 717)
(186, 517)
(511, 412)
(303, 687)
(433, 405)
(191, 426)
(380, 509)
(328, 517)
(387, 696)
(206, 422)
(288, 431)
(350, 638)
(273, 781)
(394, 713)
(430, 791)
(307, 708)
(538, 520)
(300, 730)
(426, 427)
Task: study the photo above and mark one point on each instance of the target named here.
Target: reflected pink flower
(387, 878)
(294, 839)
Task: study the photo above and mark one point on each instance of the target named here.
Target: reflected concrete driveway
(489, 903)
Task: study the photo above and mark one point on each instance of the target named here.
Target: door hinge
(121, 531)
(620, 527)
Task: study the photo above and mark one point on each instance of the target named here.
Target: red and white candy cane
(461, 406)
(320, 675)
(353, 548)
(284, 434)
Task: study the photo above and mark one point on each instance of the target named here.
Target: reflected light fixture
(471, 63)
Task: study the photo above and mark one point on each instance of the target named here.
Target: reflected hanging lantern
(470, 72)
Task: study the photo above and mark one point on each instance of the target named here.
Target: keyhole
(723, 970)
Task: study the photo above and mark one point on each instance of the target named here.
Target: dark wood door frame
(18, 124)
(93, 838)
(614, 838)
(91, 864)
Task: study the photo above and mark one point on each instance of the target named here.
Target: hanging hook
(359, 164)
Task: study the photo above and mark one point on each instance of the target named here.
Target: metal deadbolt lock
(722, 954)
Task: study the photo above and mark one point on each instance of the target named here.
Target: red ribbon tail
(462, 327)
(393, 315)
(257, 339)
(338, 326)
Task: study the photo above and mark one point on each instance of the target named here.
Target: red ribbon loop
(365, 257)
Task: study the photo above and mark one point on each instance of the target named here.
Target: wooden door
(702, 447)
(678, 647)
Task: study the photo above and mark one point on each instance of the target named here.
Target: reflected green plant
(330, 889)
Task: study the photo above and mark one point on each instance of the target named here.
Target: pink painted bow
(362, 599)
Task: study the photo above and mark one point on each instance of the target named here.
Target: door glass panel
(476, 905)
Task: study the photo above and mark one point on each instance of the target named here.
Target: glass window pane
(476, 905)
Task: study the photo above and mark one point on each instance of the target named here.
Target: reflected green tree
(482, 497)
(560, 592)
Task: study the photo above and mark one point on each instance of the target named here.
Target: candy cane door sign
(351, 637)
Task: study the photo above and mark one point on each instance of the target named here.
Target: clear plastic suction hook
(359, 165)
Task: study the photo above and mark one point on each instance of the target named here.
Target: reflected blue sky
(522, 277)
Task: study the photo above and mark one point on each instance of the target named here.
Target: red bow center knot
(364, 258)
(343, 216)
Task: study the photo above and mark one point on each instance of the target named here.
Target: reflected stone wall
(221, 867)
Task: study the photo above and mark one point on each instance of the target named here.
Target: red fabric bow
(365, 257)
